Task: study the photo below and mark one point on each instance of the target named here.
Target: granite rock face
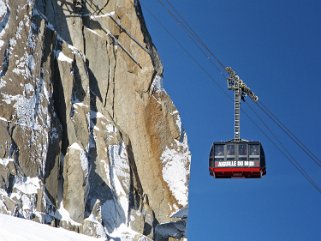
(89, 139)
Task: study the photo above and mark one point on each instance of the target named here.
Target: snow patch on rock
(124, 233)
(2, 81)
(5, 161)
(29, 88)
(3, 8)
(115, 212)
(62, 57)
(76, 146)
(119, 161)
(175, 160)
(99, 229)
(29, 112)
(82, 156)
(157, 84)
(25, 65)
(4, 18)
(27, 185)
(25, 189)
(63, 214)
(25, 108)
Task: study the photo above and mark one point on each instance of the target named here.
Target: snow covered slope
(18, 229)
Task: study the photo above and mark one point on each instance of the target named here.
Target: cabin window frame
(243, 157)
(219, 157)
(231, 157)
(255, 156)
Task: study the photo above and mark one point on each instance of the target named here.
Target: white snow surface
(157, 84)
(4, 18)
(115, 212)
(17, 229)
(63, 214)
(76, 146)
(3, 8)
(5, 161)
(176, 159)
(2, 81)
(126, 234)
(28, 185)
(102, 15)
(62, 57)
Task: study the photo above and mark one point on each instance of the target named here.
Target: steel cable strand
(279, 145)
(181, 22)
(290, 134)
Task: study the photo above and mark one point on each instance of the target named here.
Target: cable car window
(242, 149)
(242, 152)
(254, 151)
(230, 152)
(219, 150)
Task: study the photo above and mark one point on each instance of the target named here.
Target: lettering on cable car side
(236, 164)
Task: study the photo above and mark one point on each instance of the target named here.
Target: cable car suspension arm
(240, 91)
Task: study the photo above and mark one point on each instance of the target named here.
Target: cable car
(237, 157)
(233, 159)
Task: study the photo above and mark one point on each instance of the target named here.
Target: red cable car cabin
(237, 159)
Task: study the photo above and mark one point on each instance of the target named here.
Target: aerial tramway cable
(189, 55)
(289, 133)
(280, 146)
(192, 34)
(181, 22)
(205, 49)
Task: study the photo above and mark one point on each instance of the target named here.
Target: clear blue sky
(275, 46)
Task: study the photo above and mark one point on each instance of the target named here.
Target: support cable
(273, 140)
(173, 12)
(280, 146)
(180, 21)
(189, 55)
(290, 134)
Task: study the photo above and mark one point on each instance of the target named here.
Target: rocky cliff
(89, 139)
